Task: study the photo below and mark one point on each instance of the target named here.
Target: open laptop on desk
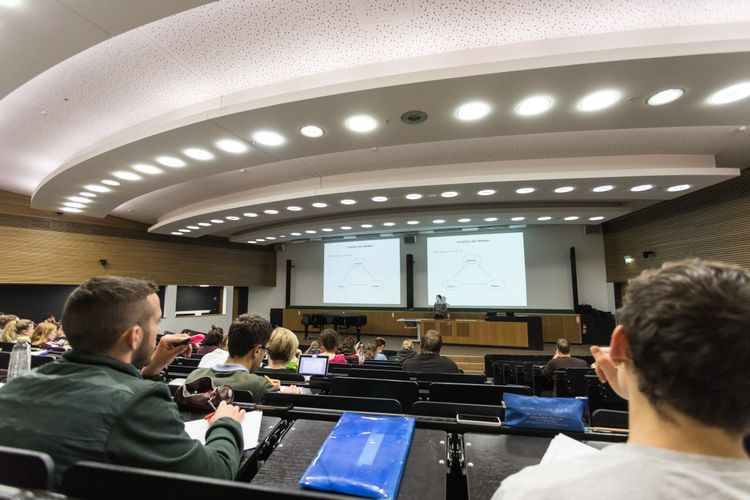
(312, 364)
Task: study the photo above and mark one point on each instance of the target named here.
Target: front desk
(522, 331)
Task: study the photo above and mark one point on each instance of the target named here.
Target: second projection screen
(362, 272)
(486, 270)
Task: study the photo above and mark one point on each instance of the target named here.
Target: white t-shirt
(213, 358)
(632, 472)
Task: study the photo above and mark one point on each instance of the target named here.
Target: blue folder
(364, 455)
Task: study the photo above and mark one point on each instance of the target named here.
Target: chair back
(343, 403)
(601, 396)
(571, 382)
(283, 376)
(405, 392)
(383, 374)
(452, 377)
(181, 361)
(613, 419)
(481, 394)
(450, 410)
(379, 365)
(26, 468)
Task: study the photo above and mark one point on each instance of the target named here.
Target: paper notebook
(563, 448)
(196, 429)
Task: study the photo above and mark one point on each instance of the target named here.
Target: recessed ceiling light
(74, 204)
(464, 220)
(97, 188)
(268, 138)
(326, 229)
(525, 190)
(517, 219)
(193, 227)
(271, 238)
(198, 154)
(204, 224)
(319, 204)
(449, 194)
(474, 110)
(311, 131)
(310, 231)
(87, 194)
(170, 161)
(110, 182)
(71, 210)
(147, 169)
(282, 236)
(346, 228)
(294, 208)
(490, 219)
(730, 94)
(296, 234)
(252, 242)
(232, 217)
(438, 221)
(366, 226)
(571, 217)
(564, 189)
(603, 189)
(486, 192)
(596, 217)
(79, 199)
(678, 187)
(379, 199)
(270, 211)
(544, 218)
(184, 230)
(217, 221)
(664, 97)
(412, 222)
(348, 202)
(260, 240)
(176, 233)
(250, 214)
(232, 146)
(127, 176)
(361, 123)
(10, 3)
(413, 196)
(534, 105)
(642, 187)
(599, 100)
(389, 224)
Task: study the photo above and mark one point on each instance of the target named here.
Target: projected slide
(362, 272)
(478, 270)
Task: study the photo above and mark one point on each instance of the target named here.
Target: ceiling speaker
(410, 240)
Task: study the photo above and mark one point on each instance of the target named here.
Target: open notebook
(196, 429)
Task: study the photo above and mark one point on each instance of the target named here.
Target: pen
(210, 415)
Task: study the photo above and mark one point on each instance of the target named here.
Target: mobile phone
(195, 339)
(479, 420)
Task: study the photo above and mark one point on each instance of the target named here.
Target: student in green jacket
(248, 339)
(95, 403)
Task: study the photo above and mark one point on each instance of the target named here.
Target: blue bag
(364, 455)
(563, 414)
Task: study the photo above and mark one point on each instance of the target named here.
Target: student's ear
(619, 350)
(133, 337)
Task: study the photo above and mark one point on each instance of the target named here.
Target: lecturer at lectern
(440, 307)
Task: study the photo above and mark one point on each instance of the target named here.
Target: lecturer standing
(440, 307)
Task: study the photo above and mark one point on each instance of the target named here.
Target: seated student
(314, 348)
(281, 351)
(430, 360)
(562, 359)
(17, 328)
(328, 346)
(214, 339)
(371, 350)
(4, 320)
(248, 336)
(348, 348)
(380, 343)
(679, 355)
(44, 335)
(94, 403)
(217, 356)
(407, 351)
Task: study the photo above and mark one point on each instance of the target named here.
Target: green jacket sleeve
(149, 434)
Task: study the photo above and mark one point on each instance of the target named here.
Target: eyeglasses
(268, 351)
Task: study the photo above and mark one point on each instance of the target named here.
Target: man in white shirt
(680, 357)
(216, 357)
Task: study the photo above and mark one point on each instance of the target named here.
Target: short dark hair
(380, 341)
(681, 322)
(246, 332)
(349, 342)
(102, 308)
(432, 342)
(329, 340)
(563, 346)
(214, 337)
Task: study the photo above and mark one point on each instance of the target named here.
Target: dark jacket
(564, 362)
(90, 407)
(428, 362)
(403, 355)
(237, 379)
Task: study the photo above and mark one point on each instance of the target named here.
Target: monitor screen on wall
(478, 270)
(362, 272)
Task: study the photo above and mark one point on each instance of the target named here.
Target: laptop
(312, 364)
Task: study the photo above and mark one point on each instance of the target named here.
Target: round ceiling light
(464, 220)
(217, 221)
(475, 110)
(126, 176)
(599, 100)
(193, 227)
(665, 97)
(412, 222)
(544, 218)
(198, 154)
(319, 204)
(379, 199)
(232, 146)
(389, 224)
(571, 217)
(366, 226)
(517, 219)
(438, 221)
(232, 217)
(596, 217)
(642, 187)
(678, 187)
(564, 189)
(294, 208)
(449, 194)
(486, 192)
(327, 229)
(603, 189)
(87, 194)
(96, 188)
(110, 182)
(348, 201)
(312, 131)
(79, 199)
(729, 94)
(361, 123)
(250, 214)
(534, 105)
(147, 169)
(525, 190)
(74, 204)
(170, 161)
(413, 196)
(204, 224)
(346, 228)
(296, 234)
(270, 211)
(490, 219)
(268, 138)
(71, 210)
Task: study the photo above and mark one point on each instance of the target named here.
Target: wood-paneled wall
(713, 223)
(45, 248)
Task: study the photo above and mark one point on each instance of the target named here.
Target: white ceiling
(88, 95)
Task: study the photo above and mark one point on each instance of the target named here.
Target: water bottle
(20, 358)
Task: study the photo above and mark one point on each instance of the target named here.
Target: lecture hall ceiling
(166, 105)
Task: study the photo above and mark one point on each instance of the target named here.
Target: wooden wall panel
(713, 223)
